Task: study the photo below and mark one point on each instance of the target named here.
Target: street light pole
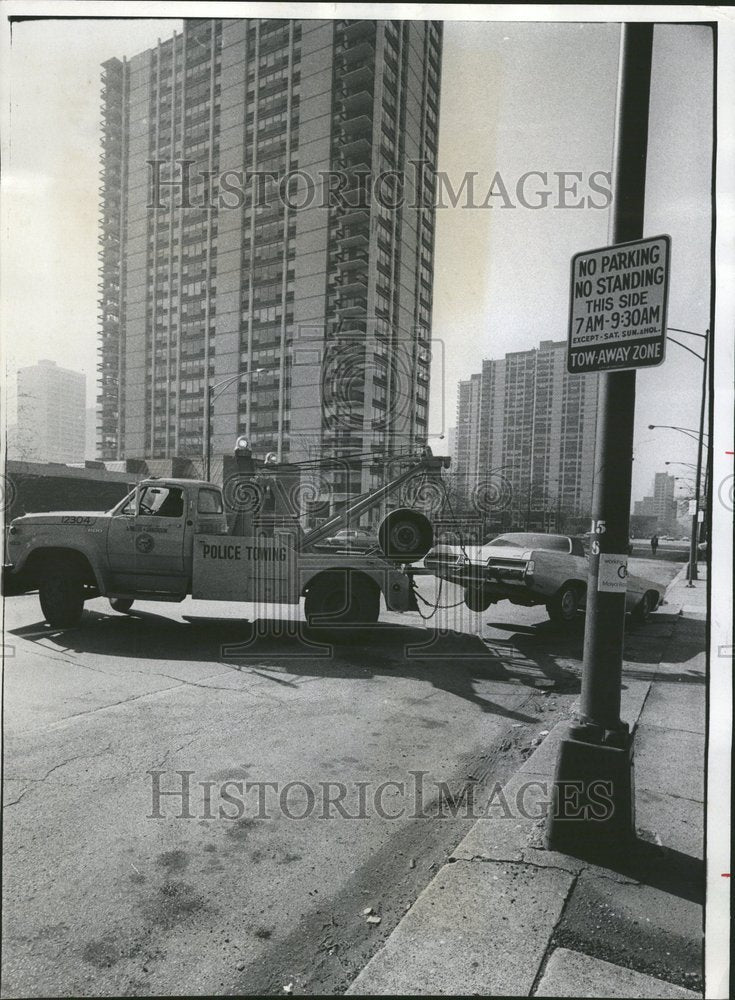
(209, 396)
(699, 438)
(207, 424)
(693, 549)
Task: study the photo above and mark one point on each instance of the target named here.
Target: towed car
(530, 568)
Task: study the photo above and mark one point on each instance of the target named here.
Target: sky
(515, 98)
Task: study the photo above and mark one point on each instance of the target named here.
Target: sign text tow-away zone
(617, 316)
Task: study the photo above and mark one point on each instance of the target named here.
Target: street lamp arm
(233, 378)
(224, 383)
(678, 329)
(689, 431)
(210, 394)
(675, 341)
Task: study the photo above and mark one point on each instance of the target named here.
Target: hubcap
(568, 602)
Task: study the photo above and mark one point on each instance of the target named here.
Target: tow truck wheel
(121, 604)
(61, 593)
(562, 608)
(335, 599)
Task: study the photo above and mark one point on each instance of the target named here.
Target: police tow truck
(170, 538)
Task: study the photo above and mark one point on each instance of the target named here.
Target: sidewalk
(506, 917)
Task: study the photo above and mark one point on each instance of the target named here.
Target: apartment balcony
(354, 167)
(352, 262)
(355, 127)
(353, 328)
(357, 148)
(355, 305)
(353, 238)
(355, 80)
(357, 218)
(356, 30)
(360, 103)
(361, 52)
(352, 284)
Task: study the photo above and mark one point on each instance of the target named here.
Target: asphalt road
(110, 891)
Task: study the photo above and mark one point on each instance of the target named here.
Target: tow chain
(437, 606)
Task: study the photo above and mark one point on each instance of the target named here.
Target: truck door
(145, 544)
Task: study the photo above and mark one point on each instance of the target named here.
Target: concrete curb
(571, 974)
(500, 886)
(680, 604)
(678, 578)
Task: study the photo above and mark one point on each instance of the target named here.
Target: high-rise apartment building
(466, 441)
(663, 494)
(661, 504)
(51, 414)
(268, 196)
(528, 427)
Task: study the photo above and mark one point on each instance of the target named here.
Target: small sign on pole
(613, 573)
(618, 301)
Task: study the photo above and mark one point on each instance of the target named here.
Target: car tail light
(530, 566)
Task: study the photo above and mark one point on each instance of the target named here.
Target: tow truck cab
(150, 539)
(145, 543)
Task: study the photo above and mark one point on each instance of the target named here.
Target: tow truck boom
(427, 463)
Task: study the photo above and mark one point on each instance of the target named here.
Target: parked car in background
(361, 539)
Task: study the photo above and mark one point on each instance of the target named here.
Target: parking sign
(618, 302)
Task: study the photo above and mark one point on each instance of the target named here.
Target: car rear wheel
(562, 608)
(645, 608)
(342, 599)
(61, 593)
(477, 599)
(121, 604)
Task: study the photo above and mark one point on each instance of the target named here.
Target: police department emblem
(144, 543)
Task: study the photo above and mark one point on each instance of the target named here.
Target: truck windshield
(162, 501)
(126, 506)
(524, 540)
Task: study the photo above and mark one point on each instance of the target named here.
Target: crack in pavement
(520, 862)
(56, 767)
(170, 753)
(62, 723)
(550, 946)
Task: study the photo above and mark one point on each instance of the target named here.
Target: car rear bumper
(500, 586)
(478, 574)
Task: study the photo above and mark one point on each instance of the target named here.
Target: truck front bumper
(12, 583)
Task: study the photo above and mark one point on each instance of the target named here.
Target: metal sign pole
(598, 749)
